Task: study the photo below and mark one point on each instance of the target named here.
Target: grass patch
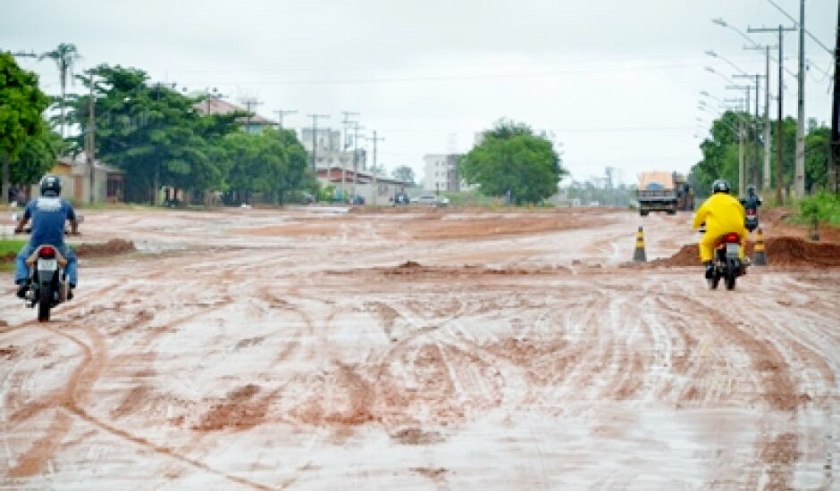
(8, 250)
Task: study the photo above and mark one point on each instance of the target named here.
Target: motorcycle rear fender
(62, 261)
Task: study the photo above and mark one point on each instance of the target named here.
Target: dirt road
(313, 348)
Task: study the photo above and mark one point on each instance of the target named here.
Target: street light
(715, 55)
(723, 23)
(712, 70)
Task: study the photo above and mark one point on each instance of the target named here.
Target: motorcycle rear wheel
(44, 303)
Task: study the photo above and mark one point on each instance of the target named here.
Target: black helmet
(51, 185)
(720, 186)
(751, 189)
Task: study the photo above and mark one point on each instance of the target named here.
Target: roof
(220, 106)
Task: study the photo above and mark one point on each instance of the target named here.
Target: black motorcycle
(48, 285)
(751, 221)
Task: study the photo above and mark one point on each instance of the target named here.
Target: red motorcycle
(727, 261)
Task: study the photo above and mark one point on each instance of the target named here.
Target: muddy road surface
(316, 348)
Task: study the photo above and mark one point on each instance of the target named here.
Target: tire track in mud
(82, 380)
(787, 372)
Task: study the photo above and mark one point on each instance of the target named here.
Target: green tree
(22, 105)
(65, 57)
(150, 131)
(817, 152)
(271, 163)
(405, 174)
(37, 156)
(721, 151)
(512, 159)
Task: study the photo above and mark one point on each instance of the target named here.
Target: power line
(443, 78)
(796, 25)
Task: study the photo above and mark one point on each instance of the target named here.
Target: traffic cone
(759, 255)
(639, 254)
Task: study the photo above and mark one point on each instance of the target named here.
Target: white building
(440, 172)
(329, 152)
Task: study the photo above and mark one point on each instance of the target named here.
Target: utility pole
(280, 113)
(753, 127)
(315, 138)
(765, 183)
(780, 142)
(741, 163)
(799, 168)
(356, 128)
(249, 103)
(834, 154)
(375, 139)
(91, 142)
(346, 122)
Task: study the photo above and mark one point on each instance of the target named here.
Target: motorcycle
(727, 262)
(48, 286)
(751, 222)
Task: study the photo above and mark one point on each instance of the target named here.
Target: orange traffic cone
(639, 254)
(759, 255)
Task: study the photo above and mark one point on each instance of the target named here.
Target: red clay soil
(110, 248)
(780, 251)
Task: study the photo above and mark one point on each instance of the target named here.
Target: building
(329, 152)
(440, 172)
(252, 123)
(373, 189)
(108, 182)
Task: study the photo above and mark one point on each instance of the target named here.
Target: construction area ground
(422, 349)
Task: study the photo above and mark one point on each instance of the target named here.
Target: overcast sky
(616, 82)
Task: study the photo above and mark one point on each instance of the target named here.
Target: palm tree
(65, 57)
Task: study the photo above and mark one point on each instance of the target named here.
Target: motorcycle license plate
(732, 249)
(47, 264)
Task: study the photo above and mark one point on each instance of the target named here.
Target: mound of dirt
(110, 248)
(780, 251)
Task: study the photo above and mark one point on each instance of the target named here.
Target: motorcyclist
(752, 201)
(721, 214)
(48, 214)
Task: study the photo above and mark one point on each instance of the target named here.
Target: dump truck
(657, 191)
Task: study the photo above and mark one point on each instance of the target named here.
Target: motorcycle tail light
(750, 212)
(47, 251)
(732, 237)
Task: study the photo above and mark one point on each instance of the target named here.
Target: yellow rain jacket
(722, 214)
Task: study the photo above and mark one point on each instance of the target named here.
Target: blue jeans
(22, 270)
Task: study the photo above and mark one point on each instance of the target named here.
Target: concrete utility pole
(780, 142)
(741, 163)
(91, 142)
(375, 140)
(249, 103)
(346, 123)
(754, 166)
(799, 169)
(834, 154)
(280, 113)
(356, 128)
(765, 183)
(314, 137)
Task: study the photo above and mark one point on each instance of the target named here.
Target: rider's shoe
(23, 287)
(70, 291)
(710, 271)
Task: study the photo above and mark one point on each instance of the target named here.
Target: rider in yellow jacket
(722, 213)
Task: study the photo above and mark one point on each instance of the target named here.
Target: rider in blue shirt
(48, 214)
